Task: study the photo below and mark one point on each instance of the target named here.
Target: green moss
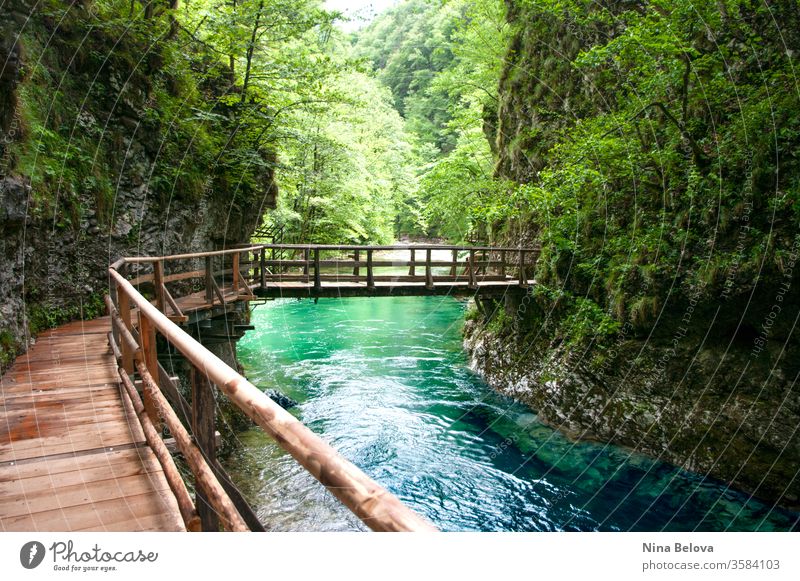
(8, 349)
(42, 316)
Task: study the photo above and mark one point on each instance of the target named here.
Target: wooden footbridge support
(85, 413)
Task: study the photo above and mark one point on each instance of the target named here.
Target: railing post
(124, 310)
(502, 263)
(412, 269)
(523, 278)
(158, 283)
(428, 270)
(263, 268)
(114, 295)
(209, 280)
(235, 267)
(370, 273)
(203, 429)
(147, 342)
(472, 283)
(356, 258)
(306, 266)
(454, 268)
(317, 274)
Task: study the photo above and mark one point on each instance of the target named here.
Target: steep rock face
(101, 159)
(682, 345)
(691, 407)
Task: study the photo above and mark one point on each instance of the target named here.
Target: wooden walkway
(72, 453)
(79, 450)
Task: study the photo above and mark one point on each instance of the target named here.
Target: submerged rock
(282, 400)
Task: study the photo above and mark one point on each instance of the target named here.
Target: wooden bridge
(84, 413)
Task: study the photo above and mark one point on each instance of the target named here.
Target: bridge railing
(371, 265)
(134, 346)
(230, 275)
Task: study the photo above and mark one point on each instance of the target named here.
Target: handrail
(482, 265)
(141, 259)
(375, 506)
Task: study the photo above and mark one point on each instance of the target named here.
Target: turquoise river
(386, 382)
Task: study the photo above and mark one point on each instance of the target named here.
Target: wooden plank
(183, 276)
(13, 389)
(12, 476)
(124, 513)
(399, 278)
(60, 417)
(98, 435)
(64, 495)
(101, 391)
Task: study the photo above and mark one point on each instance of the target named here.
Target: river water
(386, 382)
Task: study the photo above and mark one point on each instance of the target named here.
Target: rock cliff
(109, 147)
(664, 316)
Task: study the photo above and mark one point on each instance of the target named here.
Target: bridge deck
(72, 453)
(344, 288)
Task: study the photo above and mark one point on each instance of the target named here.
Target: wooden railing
(364, 264)
(134, 345)
(235, 274)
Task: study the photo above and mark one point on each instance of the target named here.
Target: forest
(649, 147)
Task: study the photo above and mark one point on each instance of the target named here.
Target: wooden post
(112, 291)
(356, 257)
(370, 273)
(523, 279)
(502, 263)
(124, 310)
(209, 280)
(158, 282)
(173, 476)
(115, 300)
(204, 476)
(317, 274)
(203, 428)
(454, 268)
(263, 268)
(412, 270)
(428, 271)
(472, 283)
(147, 342)
(235, 267)
(306, 266)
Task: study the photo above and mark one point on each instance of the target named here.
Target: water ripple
(385, 381)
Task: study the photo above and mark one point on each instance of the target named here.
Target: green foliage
(345, 173)
(408, 46)
(42, 316)
(442, 61)
(8, 349)
(500, 320)
(658, 180)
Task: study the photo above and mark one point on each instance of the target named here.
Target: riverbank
(690, 406)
